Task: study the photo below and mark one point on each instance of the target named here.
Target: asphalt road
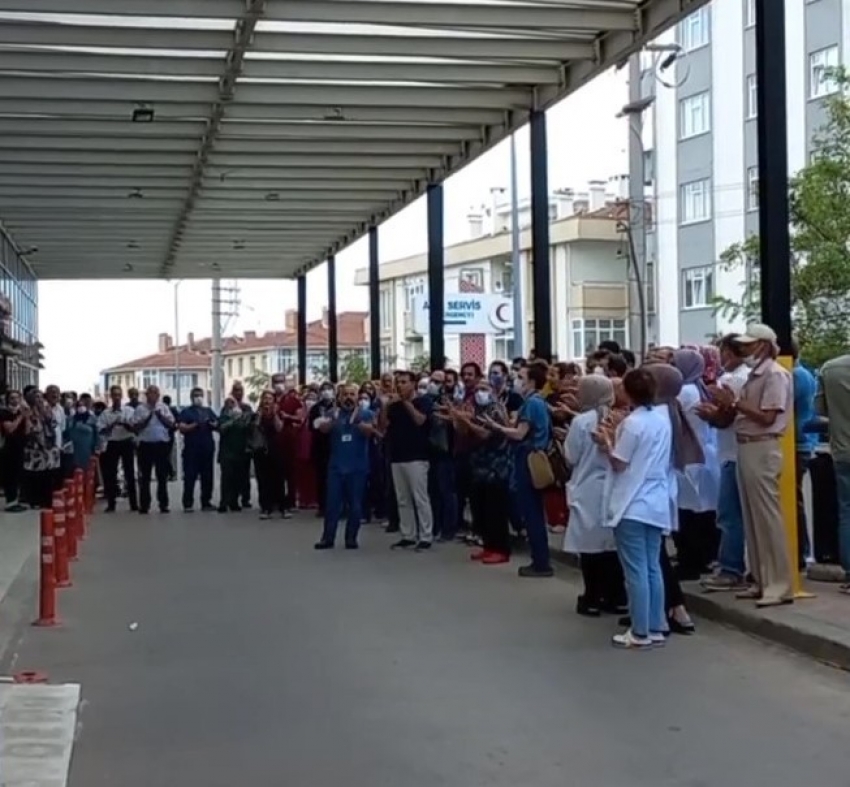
(257, 661)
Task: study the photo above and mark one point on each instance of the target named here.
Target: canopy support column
(541, 275)
(436, 273)
(374, 305)
(302, 329)
(333, 338)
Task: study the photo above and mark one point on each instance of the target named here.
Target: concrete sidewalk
(818, 627)
(19, 537)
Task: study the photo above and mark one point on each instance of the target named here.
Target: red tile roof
(351, 334)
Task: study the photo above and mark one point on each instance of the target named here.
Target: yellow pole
(788, 493)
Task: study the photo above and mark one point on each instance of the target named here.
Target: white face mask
(197, 400)
(311, 401)
(279, 387)
(82, 410)
(482, 398)
(365, 404)
(327, 395)
(434, 389)
(519, 385)
(752, 361)
(422, 390)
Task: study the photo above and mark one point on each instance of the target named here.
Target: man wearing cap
(762, 411)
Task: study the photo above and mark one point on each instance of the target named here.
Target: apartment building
(700, 134)
(588, 267)
(242, 356)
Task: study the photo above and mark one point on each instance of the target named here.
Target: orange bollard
(71, 520)
(47, 577)
(63, 574)
(80, 508)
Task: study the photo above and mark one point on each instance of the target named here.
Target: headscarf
(596, 393)
(692, 366)
(686, 449)
(711, 356)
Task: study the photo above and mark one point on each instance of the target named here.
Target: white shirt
(586, 489)
(727, 442)
(641, 491)
(699, 485)
(125, 415)
(155, 431)
(61, 421)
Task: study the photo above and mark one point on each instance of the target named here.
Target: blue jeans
(345, 489)
(443, 494)
(530, 503)
(730, 522)
(639, 548)
(842, 483)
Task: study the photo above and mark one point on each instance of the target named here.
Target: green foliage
(820, 240)
(421, 363)
(354, 369)
(257, 382)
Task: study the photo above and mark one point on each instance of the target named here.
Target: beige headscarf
(596, 393)
(686, 445)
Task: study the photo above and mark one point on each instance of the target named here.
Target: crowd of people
(614, 455)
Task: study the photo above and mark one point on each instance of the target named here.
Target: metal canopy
(253, 138)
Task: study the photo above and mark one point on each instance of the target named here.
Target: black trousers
(697, 543)
(198, 465)
(463, 485)
(673, 596)
(268, 482)
(604, 584)
(154, 460)
(243, 480)
(321, 460)
(490, 514)
(12, 462)
(37, 487)
(231, 483)
(123, 452)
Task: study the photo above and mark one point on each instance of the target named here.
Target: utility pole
(225, 305)
(516, 262)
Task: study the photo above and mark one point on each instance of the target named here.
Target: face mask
(311, 401)
(434, 389)
(482, 398)
(279, 387)
(519, 385)
(751, 361)
(327, 395)
(82, 410)
(459, 393)
(497, 379)
(197, 400)
(365, 404)
(422, 390)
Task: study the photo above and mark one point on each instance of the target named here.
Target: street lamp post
(177, 343)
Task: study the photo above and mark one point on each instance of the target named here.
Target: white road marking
(37, 725)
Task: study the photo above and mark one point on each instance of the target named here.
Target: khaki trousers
(759, 469)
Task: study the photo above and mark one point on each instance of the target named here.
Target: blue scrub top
(349, 446)
(535, 414)
(201, 439)
(805, 389)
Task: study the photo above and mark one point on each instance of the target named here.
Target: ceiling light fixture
(136, 194)
(143, 114)
(272, 196)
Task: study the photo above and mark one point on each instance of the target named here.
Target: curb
(806, 642)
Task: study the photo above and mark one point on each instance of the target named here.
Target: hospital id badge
(346, 438)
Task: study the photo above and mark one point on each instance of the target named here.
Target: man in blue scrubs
(350, 427)
(197, 424)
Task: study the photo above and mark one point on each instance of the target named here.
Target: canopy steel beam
(122, 38)
(334, 147)
(212, 186)
(115, 128)
(151, 91)
(113, 157)
(110, 144)
(238, 161)
(80, 62)
(416, 14)
(244, 32)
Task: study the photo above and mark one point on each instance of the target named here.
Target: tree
(257, 382)
(354, 369)
(819, 197)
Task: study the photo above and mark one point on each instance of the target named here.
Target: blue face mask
(365, 404)
(497, 379)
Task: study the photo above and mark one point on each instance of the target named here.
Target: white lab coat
(586, 490)
(699, 485)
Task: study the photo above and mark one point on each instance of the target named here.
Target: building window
(385, 306)
(694, 115)
(240, 363)
(587, 334)
(504, 347)
(230, 367)
(412, 290)
(821, 79)
(188, 381)
(752, 97)
(150, 377)
(752, 188)
(649, 286)
(750, 12)
(252, 363)
(698, 285)
(474, 277)
(283, 361)
(695, 201)
(694, 31)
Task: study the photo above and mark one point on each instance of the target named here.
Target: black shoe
(236, 509)
(166, 510)
(246, 504)
(186, 510)
(614, 609)
(584, 607)
(222, 509)
(110, 509)
(134, 508)
(405, 543)
(286, 515)
(207, 507)
(681, 628)
(423, 546)
(322, 545)
(144, 511)
(352, 545)
(392, 529)
(532, 572)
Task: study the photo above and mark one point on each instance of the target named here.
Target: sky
(117, 321)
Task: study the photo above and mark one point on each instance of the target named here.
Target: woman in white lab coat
(698, 538)
(586, 536)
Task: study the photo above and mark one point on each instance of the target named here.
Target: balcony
(410, 331)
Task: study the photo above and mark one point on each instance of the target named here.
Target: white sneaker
(658, 640)
(628, 640)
